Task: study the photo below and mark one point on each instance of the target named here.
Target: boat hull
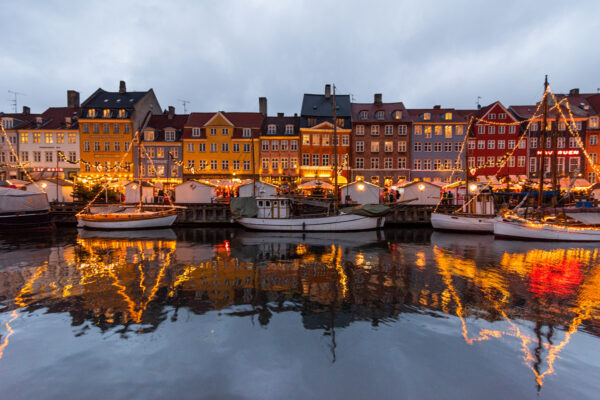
(26, 221)
(462, 223)
(514, 229)
(337, 223)
(142, 223)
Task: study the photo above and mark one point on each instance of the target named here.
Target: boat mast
(466, 165)
(555, 157)
(543, 143)
(253, 165)
(140, 169)
(335, 161)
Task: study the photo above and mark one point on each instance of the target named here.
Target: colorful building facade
(9, 142)
(380, 142)
(280, 149)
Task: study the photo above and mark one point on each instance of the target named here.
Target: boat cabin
(483, 204)
(273, 207)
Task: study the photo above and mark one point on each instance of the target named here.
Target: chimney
(377, 98)
(280, 115)
(262, 106)
(574, 92)
(295, 114)
(72, 99)
(171, 113)
(437, 107)
(327, 91)
(26, 110)
(122, 88)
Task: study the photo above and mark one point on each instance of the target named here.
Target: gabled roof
(372, 108)
(197, 119)
(484, 111)
(20, 120)
(55, 118)
(437, 115)
(245, 119)
(161, 122)
(317, 105)
(103, 99)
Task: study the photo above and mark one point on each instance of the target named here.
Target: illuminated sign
(39, 169)
(560, 152)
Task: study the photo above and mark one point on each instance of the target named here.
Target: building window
(117, 146)
(593, 122)
(325, 140)
(388, 163)
(448, 116)
(458, 146)
(360, 146)
(174, 153)
(246, 147)
(437, 146)
(236, 148)
(417, 164)
(247, 132)
(294, 162)
(105, 128)
(236, 165)
(225, 131)
(190, 164)
(316, 139)
(170, 136)
(91, 113)
(481, 129)
(359, 163)
(149, 136)
(264, 145)
(265, 163)
(521, 161)
(284, 145)
(481, 144)
(325, 160)
(363, 115)
(428, 131)
(375, 130)
(305, 160)
(246, 165)
(572, 142)
(389, 130)
(190, 147)
(447, 147)
(427, 165)
(37, 156)
(213, 131)
(289, 129)
(96, 128)
(379, 115)
(402, 163)
(438, 129)
(511, 144)
(213, 148)
(213, 165)
(49, 156)
(126, 128)
(418, 129)
(275, 145)
(388, 147)
(402, 147)
(293, 145)
(359, 130)
(402, 130)
(96, 146)
(491, 144)
(522, 144)
(593, 140)
(512, 129)
(196, 132)
(315, 160)
(284, 163)
(448, 131)
(375, 163)
(417, 146)
(501, 130)
(48, 138)
(345, 140)
(160, 152)
(24, 156)
(397, 114)
(306, 139)
(533, 142)
(491, 130)
(271, 129)
(480, 162)
(375, 146)
(501, 144)
(437, 164)
(426, 116)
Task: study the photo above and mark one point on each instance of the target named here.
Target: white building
(194, 192)
(9, 143)
(262, 189)
(132, 192)
(360, 192)
(47, 142)
(57, 190)
(419, 192)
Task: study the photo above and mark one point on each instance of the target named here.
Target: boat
(477, 214)
(272, 213)
(21, 210)
(127, 217)
(547, 224)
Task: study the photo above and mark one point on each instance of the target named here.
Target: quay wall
(215, 213)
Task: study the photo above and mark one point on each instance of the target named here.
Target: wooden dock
(215, 213)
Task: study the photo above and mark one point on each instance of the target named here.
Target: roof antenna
(478, 105)
(13, 102)
(184, 103)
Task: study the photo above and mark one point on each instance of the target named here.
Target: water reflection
(534, 296)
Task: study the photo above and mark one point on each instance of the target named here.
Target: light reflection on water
(532, 298)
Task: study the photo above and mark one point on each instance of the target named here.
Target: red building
(495, 134)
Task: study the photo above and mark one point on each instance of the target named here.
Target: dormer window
(149, 136)
(594, 122)
(379, 115)
(91, 113)
(289, 129)
(7, 123)
(363, 115)
(38, 120)
(426, 116)
(271, 129)
(397, 114)
(106, 113)
(247, 132)
(448, 116)
(170, 136)
(122, 113)
(195, 132)
(68, 121)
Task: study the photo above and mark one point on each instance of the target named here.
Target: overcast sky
(223, 55)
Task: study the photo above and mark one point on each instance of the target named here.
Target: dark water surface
(221, 313)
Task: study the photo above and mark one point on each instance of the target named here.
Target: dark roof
(103, 99)
(161, 122)
(317, 105)
(20, 120)
(280, 123)
(372, 108)
(239, 120)
(55, 118)
(437, 115)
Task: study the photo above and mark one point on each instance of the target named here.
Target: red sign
(39, 169)
(560, 152)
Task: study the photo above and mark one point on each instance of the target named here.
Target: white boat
(514, 227)
(23, 210)
(477, 218)
(274, 214)
(463, 222)
(126, 218)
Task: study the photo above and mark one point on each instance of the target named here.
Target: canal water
(221, 313)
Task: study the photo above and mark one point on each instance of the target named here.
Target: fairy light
(16, 156)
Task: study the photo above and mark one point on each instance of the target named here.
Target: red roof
(162, 121)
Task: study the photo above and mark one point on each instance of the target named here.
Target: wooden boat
(128, 218)
(478, 217)
(514, 227)
(275, 214)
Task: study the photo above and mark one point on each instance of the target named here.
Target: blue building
(437, 137)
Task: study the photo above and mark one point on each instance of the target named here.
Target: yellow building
(221, 145)
(107, 128)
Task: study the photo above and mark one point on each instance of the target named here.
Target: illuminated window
(284, 163)
(428, 131)
(306, 139)
(160, 152)
(458, 129)
(448, 131)
(448, 116)
(294, 162)
(438, 129)
(315, 139)
(375, 147)
(388, 163)
(593, 122)
(427, 116)
(48, 138)
(397, 114)
(72, 138)
(24, 137)
(60, 137)
(375, 163)
(91, 113)
(122, 113)
(325, 140)
(418, 129)
(149, 136)
(106, 113)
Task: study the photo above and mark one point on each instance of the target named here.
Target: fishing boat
(477, 214)
(23, 210)
(275, 214)
(547, 224)
(127, 217)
